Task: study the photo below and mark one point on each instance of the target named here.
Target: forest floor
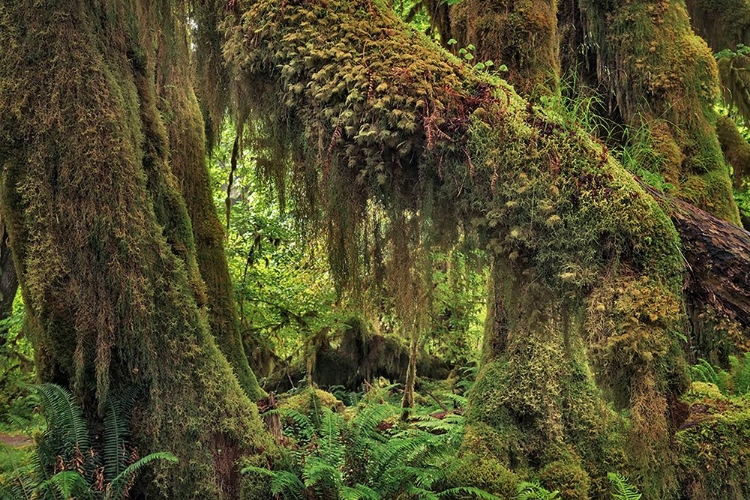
(15, 440)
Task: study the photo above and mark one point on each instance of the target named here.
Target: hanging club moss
(185, 128)
(103, 242)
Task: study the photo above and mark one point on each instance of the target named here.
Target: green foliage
(68, 463)
(735, 382)
(623, 490)
(370, 454)
(535, 491)
(17, 370)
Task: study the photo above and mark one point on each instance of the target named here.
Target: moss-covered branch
(588, 270)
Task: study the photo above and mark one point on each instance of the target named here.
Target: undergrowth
(735, 382)
(70, 462)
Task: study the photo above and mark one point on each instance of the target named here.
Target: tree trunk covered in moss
(185, 128)
(521, 35)
(588, 272)
(735, 147)
(722, 23)
(102, 238)
(663, 78)
(8, 277)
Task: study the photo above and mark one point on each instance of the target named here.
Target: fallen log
(717, 257)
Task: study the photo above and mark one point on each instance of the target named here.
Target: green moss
(485, 472)
(521, 35)
(735, 147)
(713, 446)
(568, 478)
(310, 402)
(666, 80)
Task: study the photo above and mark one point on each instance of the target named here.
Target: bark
(717, 254)
(8, 278)
(102, 239)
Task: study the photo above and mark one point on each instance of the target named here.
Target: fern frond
(358, 492)
(287, 484)
(120, 485)
(535, 491)
(319, 473)
(622, 489)
(67, 483)
(21, 483)
(704, 372)
(116, 434)
(458, 400)
(330, 445)
(304, 426)
(468, 490)
(369, 418)
(64, 417)
(282, 482)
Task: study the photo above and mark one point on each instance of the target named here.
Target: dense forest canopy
(574, 169)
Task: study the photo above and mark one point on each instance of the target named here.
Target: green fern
(704, 372)
(740, 374)
(119, 486)
(535, 491)
(66, 444)
(66, 436)
(67, 483)
(358, 492)
(622, 489)
(116, 433)
(282, 482)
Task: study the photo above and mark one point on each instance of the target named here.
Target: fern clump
(370, 453)
(621, 488)
(67, 463)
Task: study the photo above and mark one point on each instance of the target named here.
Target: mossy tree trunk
(722, 23)
(663, 79)
(520, 35)
(102, 238)
(185, 128)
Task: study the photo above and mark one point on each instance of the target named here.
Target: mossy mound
(713, 445)
(310, 402)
